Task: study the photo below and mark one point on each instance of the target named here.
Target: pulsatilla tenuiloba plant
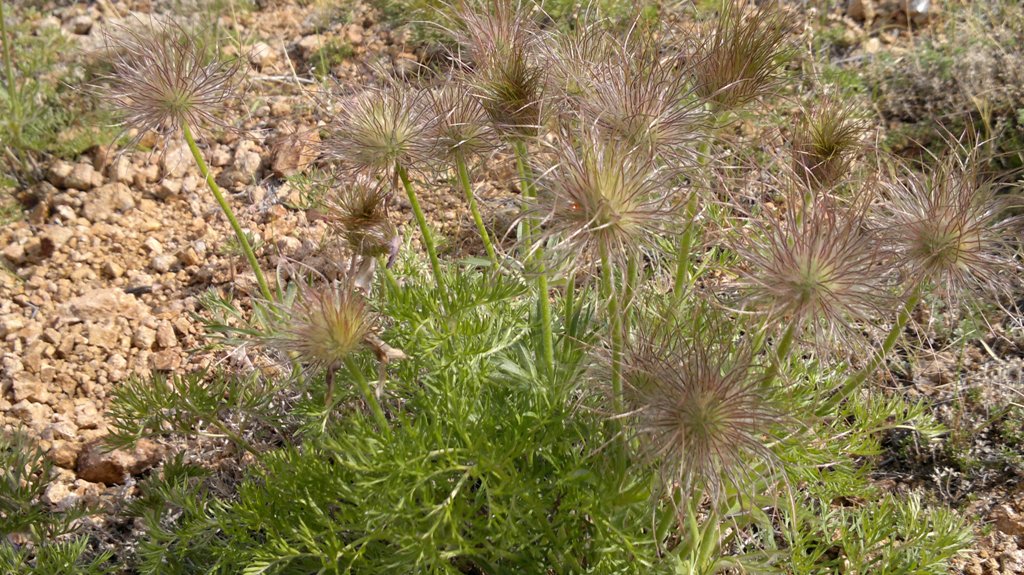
(644, 378)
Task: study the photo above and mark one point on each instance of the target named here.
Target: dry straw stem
(951, 228)
(163, 79)
(698, 403)
(818, 267)
(739, 57)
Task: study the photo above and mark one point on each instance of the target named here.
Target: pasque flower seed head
(501, 44)
(380, 128)
(700, 407)
(324, 326)
(818, 267)
(826, 140)
(358, 212)
(458, 124)
(739, 58)
(949, 227)
(603, 197)
(163, 80)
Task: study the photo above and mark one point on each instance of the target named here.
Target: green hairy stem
(421, 220)
(467, 187)
(226, 208)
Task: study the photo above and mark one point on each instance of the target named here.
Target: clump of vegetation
(653, 375)
(36, 539)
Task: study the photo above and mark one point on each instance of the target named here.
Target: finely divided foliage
(490, 448)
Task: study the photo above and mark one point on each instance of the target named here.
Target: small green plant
(333, 53)
(36, 539)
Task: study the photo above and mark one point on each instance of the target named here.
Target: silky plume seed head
(700, 407)
(378, 129)
(640, 99)
(459, 126)
(819, 267)
(324, 326)
(950, 228)
(500, 42)
(826, 139)
(739, 58)
(358, 213)
(602, 197)
(163, 79)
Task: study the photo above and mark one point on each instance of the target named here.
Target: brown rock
(166, 360)
(83, 177)
(103, 335)
(293, 151)
(59, 495)
(64, 453)
(176, 159)
(97, 464)
(105, 304)
(1008, 520)
(27, 386)
(58, 172)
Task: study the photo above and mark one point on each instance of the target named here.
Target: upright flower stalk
(243, 239)
(162, 83)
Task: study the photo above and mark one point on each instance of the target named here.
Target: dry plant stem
(467, 187)
(226, 208)
(368, 395)
(421, 220)
(857, 379)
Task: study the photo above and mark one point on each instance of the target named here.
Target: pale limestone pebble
(163, 263)
(144, 337)
(107, 201)
(103, 335)
(145, 174)
(121, 170)
(83, 177)
(58, 172)
(192, 255)
(165, 337)
(26, 386)
(60, 496)
(112, 269)
(87, 416)
(262, 55)
(116, 367)
(11, 323)
(105, 303)
(220, 156)
(35, 415)
(309, 45)
(96, 463)
(1008, 519)
(168, 188)
(166, 360)
(153, 246)
(64, 453)
(176, 159)
(14, 253)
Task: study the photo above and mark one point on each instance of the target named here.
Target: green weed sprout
(161, 82)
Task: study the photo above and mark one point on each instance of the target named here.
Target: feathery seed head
(826, 140)
(500, 41)
(379, 129)
(639, 98)
(701, 409)
(459, 127)
(738, 60)
(326, 324)
(951, 229)
(359, 214)
(603, 197)
(820, 269)
(162, 82)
